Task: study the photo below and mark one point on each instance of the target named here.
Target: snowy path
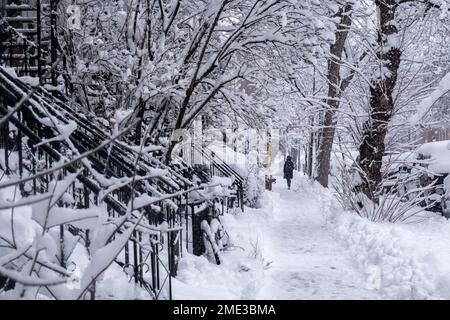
(318, 251)
(307, 261)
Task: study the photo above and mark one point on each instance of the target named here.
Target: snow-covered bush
(402, 194)
(253, 186)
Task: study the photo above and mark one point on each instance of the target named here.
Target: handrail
(13, 89)
(228, 170)
(121, 157)
(109, 159)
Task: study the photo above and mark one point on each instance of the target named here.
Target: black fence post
(135, 258)
(5, 138)
(19, 151)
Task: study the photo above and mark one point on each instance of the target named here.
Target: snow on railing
(110, 198)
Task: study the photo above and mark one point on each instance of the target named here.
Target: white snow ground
(307, 261)
(299, 245)
(288, 253)
(302, 245)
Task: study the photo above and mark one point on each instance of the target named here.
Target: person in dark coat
(288, 171)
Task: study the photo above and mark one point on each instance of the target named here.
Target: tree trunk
(310, 155)
(140, 115)
(375, 129)
(334, 94)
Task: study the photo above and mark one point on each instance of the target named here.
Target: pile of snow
(237, 160)
(401, 260)
(32, 81)
(25, 228)
(223, 181)
(375, 251)
(240, 274)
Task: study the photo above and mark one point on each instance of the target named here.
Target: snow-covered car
(401, 171)
(434, 158)
(445, 201)
(437, 156)
(436, 195)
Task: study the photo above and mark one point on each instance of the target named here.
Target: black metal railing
(153, 260)
(28, 40)
(218, 167)
(152, 255)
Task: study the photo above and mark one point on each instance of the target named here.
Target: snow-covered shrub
(253, 187)
(401, 194)
(256, 250)
(212, 239)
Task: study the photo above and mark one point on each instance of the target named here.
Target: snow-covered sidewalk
(307, 261)
(285, 250)
(302, 245)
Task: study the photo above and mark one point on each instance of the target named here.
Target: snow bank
(385, 252)
(375, 250)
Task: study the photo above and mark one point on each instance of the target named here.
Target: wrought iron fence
(35, 154)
